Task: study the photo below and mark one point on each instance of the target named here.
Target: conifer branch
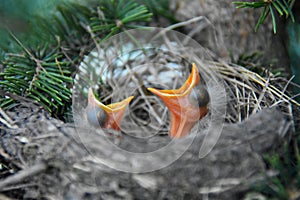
(282, 7)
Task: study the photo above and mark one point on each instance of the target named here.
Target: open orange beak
(187, 105)
(105, 116)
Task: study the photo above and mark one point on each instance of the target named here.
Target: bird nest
(129, 63)
(124, 66)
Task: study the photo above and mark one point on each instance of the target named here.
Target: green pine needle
(282, 7)
(119, 15)
(40, 78)
(273, 19)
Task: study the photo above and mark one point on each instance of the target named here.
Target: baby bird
(187, 105)
(105, 116)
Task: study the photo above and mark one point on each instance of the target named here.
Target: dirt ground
(51, 160)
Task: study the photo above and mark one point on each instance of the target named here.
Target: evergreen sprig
(117, 15)
(41, 75)
(282, 7)
(159, 8)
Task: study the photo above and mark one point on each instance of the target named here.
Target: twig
(180, 24)
(3, 121)
(3, 197)
(6, 116)
(6, 120)
(276, 91)
(135, 79)
(23, 174)
(262, 94)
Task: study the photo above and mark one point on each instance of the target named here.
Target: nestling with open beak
(187, 105)
(105, 116)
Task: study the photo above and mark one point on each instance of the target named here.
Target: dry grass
(120, 69)
(250, 92)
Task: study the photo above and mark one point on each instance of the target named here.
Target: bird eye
(96, 116)
(102, 117)
(199, 96)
